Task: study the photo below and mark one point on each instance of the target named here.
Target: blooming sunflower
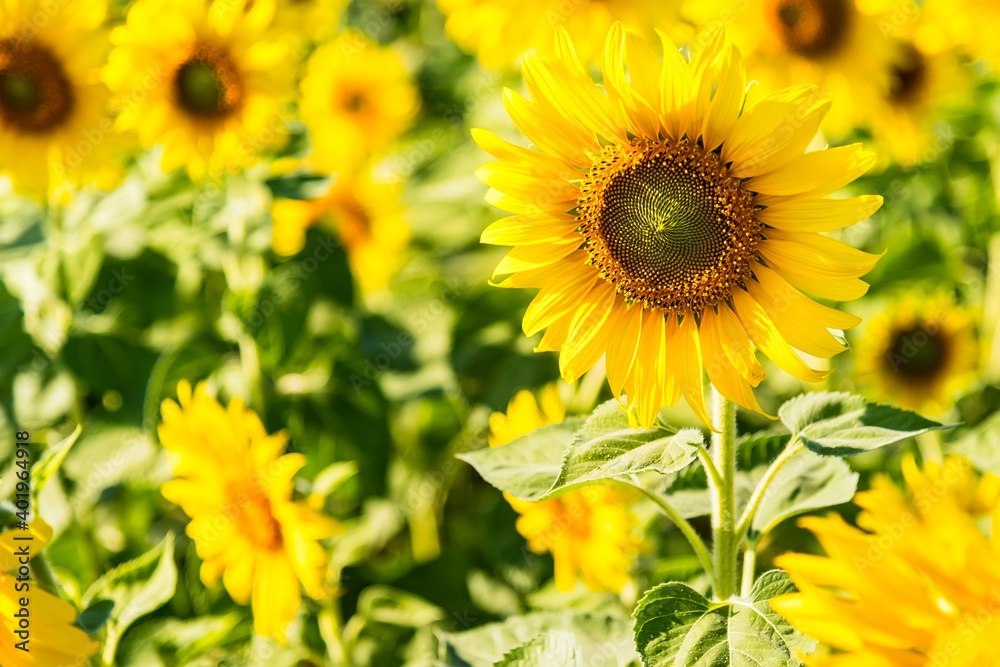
(497, 32)
(53, 110)
(55, 641)
(919, 353)
(838, 45)
(668, 227)
(588, 531)
(205, 80)
(236, 486)
(356, 98)
(918, 583)
(367, 217)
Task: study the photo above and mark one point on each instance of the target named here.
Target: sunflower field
(473, 333)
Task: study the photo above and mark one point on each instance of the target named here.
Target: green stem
(724, 499)
(749, 568)
(330, 626)
(929, 445)
(790, 450)
(682, 524)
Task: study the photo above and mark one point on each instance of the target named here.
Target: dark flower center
(811, 28)
(35, 95)
(207, 85)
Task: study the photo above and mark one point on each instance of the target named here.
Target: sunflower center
(667, 225)
(250, 509)
(908, 78)
(918, 353)
(811, 28)
(208, 85)
(35, 95)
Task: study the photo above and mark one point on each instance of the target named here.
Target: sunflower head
(811, 28)
(881, 597)
(919, 353)
(669, 225)
(35, 95)
(213, 76)
(589, 531)
(236, 485)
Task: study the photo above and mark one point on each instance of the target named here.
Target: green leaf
(554, 648)
(136, 588)
(807, 482)
(384, 604)
(841, 424)
(981, 445)
(529, 466)
(51, 460)
(607, 447)
(676, 625)
(558, 457)
(93, 618)
(605, 641)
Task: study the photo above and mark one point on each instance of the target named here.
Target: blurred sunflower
(498, 33)
(54, 124)
(918, 583)
(236, 486)
(838, 45)
(356, 99)
(206, 79)
(587, 531)
(969, 25)
(919, 353)
(367, 217)
(921, 85)
(55, 641)
(670, 227)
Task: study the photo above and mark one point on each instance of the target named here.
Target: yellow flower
(669, 227)
(918, 584)
(498, 31)
(205, 80)
(236, 486)
(315, 19)
(588, 531)
(54, 125)
(839, 45)
(970, 25)
(53, 639)
(919, 353)
(367, 216)
(357, 98)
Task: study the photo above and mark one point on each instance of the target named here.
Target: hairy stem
(723, 497)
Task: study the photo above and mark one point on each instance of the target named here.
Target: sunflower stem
(724, 501)
(687, 530)
(749, 568)
(786, 455)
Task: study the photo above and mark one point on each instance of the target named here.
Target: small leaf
(981, 445)
(529, 466)
(51, 460)
(604, 641)
(556, 458)
(136, 588)
(840, 424)
(93, 618)
(384, 604)
(676, 625)
(554, 648)
(807, 482)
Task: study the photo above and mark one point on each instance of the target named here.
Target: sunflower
(919, 353)
(838, 45)
(970, 25)
(588, 531)
(365, 213)
(497, 32)
(54, 125)
(54, 639)
(205, 80)
(669, 227)
(917, 583)
(356, 99)
(236, 486)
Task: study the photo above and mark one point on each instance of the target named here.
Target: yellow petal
(819, 215)
(721, 371)
(816, 174)
(621, 356)
(589, 334)
(530, 229)
(766, 336)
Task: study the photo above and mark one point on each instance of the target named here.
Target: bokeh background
(325, 267)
